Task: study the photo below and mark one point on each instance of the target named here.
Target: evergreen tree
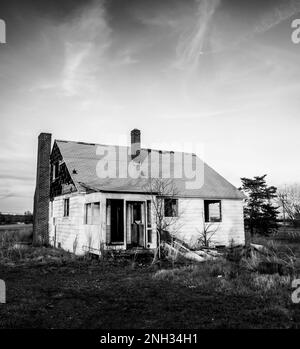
(260, 215)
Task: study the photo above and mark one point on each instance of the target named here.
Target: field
(48, 288)
(20, 232)
(25, 227)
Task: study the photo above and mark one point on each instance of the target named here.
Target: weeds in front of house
(242, 271)
(9, 248)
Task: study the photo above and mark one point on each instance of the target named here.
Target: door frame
(144, 218)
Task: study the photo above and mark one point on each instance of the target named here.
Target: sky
(224, 74)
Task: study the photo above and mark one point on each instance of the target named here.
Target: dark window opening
(56, 172)
(149, 214)
(212, 211)
(137, 212)
(171, 207)
(66, 207)
(149, 236)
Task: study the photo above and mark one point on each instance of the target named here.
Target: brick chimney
(42, 191)
(135, 144)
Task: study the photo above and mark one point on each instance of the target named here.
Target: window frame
(206, 210)
(149, 221)
(67, 207)
(55, 170)
(92, 218)
(166, 214)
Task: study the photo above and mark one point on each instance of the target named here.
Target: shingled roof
(82, 159)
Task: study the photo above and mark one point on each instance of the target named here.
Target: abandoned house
(79, 208)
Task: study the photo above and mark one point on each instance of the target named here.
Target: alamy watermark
(296, 293)
(2, 292)
(296, 33)
(2, 32)
(119, 162)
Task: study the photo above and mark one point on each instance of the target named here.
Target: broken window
(92, 213)
(171, 207)
(66, 207)
(212, 211)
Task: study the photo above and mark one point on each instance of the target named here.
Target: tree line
(6, 218)
(264, 203)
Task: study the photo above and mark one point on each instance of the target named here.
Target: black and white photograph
(149, 168)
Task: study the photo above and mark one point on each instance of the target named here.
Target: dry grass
(268, 274)
(214, 294)
(8, 247)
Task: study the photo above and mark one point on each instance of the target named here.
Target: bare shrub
(160, 189)
(206, 234)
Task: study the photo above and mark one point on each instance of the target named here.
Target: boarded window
(66, 207)
(212, 210)
(171, 207)
(92, 213)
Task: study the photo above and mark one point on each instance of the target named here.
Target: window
(51, 208)
(149, 219)
(137, 212)
(171, 207)
(149, 236)
(92, 213)
(212, 211)
(55, 170)
(88, 214)
(66, 207)
(149, 214)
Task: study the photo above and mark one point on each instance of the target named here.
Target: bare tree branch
(289, 200)
(160, 189)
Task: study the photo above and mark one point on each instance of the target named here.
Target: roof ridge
(122, 146)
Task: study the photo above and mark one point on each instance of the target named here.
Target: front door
(135, 223)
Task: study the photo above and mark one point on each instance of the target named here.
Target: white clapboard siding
(190, 222)
(69, 230)
(75, 236)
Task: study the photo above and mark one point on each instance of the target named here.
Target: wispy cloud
(265, 21)
(87, 39)
(190, 47)
(277, 15)
(125, 57)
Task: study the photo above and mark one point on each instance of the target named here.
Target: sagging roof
(85, 161)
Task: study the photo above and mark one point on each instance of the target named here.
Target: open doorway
(115, 220)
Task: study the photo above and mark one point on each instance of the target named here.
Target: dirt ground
(120, 295)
